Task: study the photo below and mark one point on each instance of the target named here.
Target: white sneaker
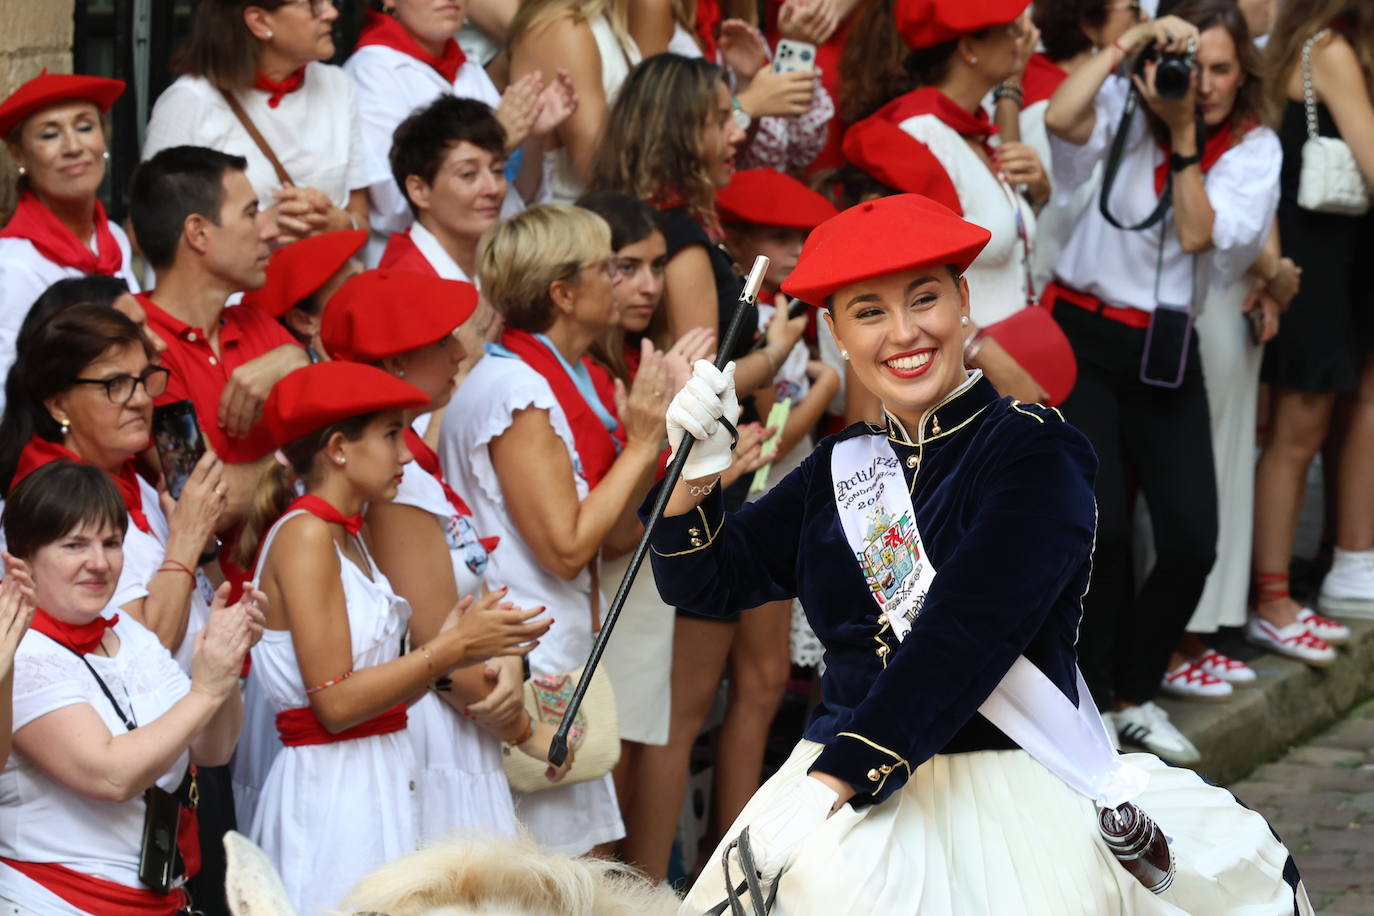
(1231, 670)
(1348, 589)
(1149, 727)
(1333, 631)
(1193, 682)
(1294, 641)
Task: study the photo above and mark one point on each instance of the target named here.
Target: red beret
(317, 395)
(881, 237)
(767, 197)
(301, 268)
(886, 153)
(48, 89)
(926, 23)
(381, 313)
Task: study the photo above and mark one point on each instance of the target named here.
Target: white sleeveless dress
(462, 788)
(330, 813)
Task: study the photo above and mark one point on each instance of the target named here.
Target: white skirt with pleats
(994, 833)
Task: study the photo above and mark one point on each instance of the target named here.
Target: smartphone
(794, 55)
(796, 308)
(179, 443)
(1255, 324)
(1165, 358)
(157, 857)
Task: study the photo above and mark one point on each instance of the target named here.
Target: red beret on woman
(767, 197)
(886, 153)
(926, 23)
(315, 396)
(381, 313)
(302, 268)
(48, 89)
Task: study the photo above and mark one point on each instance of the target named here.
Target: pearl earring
(963, 321)
(66, 425)
(973, 61)
(269, 34)
(340, 460)
(23, 171)
(105, 155)
(400, 373)
(844, 354)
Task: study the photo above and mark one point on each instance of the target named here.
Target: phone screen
(179, 443)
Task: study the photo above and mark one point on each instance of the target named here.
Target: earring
(269, 35)
(844, 354)
(973, 61)
(105, 155)
(400, 373)
(66, 425)
(963, 321)
(340, 460)
(23, 171)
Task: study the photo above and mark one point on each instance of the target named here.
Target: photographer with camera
(1189, 191)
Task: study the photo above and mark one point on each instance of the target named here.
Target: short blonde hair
(520, 258)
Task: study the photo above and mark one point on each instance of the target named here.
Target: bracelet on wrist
(1009, 91)
(704, 489)
(170, 565)
(526, 733)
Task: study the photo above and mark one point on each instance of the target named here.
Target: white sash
(879, 523)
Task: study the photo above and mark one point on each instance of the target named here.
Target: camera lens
(1173, 75)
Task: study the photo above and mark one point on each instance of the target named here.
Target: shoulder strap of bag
(127, 720)
(1113, 165)
(1309, 97)
(258, 138)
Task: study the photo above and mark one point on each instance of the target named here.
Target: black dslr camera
(1173, 73)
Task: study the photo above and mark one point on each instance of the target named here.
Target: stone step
(1289, 703)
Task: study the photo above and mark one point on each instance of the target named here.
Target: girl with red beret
(406, 324)
(53, 129)
(956, 762)
(340, 798)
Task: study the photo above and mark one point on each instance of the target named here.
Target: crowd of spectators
(427, 310)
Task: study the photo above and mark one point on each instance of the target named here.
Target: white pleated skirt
(994, 833)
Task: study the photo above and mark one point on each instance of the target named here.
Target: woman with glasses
(83, 390)
(533, 441)
(252, 83)
(55, 134)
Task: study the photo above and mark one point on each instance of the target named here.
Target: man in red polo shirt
(197, 222)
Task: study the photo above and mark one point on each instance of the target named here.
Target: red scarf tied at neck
(386, 31)
(323, 510)
(278, 89)
(931, 101)
(57, 243)
(40, 451)
(81, 638)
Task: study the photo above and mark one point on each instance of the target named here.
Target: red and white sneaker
(1231, 670)
(1293, 641)
(1190, 682)
(1333, 631)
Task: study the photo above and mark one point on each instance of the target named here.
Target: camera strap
(1109, 172)
(128, 720)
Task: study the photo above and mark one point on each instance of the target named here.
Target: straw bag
(1330, 181)
(594, 737)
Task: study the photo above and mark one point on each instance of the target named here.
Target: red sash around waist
(97, 895)
(298, 727)
(1132, 318)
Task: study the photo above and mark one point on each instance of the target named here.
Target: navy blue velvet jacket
(1003, 494)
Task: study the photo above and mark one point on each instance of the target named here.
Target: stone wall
(35, 34)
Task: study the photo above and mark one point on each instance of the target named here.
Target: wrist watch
(742, 117)
(1178, 163)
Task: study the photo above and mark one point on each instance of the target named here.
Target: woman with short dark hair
(108, 728)
(261, 63)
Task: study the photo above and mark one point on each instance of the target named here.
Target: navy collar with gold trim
(953, 412)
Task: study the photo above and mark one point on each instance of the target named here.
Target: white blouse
(1125, 268)
(314, 131)
(1067, 203)
(44, 821)
(391, 86)
(25, 275)
(997, 278)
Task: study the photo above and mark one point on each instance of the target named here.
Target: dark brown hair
(49, 357)
(1299, 21)
(1249, 108)
(1061, 25)
(220, 47)
(59, 498)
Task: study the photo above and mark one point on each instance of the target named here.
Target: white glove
(708, 396)
(776, 835)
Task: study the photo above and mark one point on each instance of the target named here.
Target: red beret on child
(317, 395)
(298, 270)
(381, 313)
(48, 89)
(882, 237)
(890, 155)
(767, 197)
(926, 23)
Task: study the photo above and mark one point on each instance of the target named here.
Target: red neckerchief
(277, 90)
(429, 463)
(1216, 145)
(323, 510)
(41, 451)
(929, 100)
(708, 17)
(81, 638)
(670, 199)
(1041, 79)
(595, 445)
(386, 31)
(57, 243)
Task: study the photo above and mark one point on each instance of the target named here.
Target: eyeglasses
(120, 388)
(608, 266)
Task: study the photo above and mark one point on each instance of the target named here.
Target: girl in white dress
(458, 728)
(531, 440)
(340, 797)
